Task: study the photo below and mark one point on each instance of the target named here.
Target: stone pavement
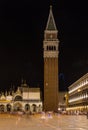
(36, 122)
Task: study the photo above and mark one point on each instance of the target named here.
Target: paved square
(36, 122)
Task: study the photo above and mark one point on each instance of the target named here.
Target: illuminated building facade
(78, 95)
(50, 45)
(23, 99)
(29, 99)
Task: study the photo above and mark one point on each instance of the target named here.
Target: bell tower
(50, 54)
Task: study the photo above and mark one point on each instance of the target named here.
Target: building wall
(78, 95)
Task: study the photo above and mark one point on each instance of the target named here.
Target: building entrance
(17, 106)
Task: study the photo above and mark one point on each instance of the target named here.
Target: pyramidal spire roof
(51, 22)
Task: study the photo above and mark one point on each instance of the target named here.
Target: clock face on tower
(51, 36)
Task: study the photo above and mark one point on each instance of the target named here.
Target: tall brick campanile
(50, 45)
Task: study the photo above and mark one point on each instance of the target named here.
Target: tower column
(51, 74)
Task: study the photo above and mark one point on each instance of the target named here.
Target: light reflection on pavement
(36, 122)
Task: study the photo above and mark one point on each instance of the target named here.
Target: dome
(3, 97)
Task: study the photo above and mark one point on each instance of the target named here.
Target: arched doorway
(17, 106)
(27, 107)
(2, 107)
(8, 107)
(34, 107)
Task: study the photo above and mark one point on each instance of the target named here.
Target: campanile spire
(51, 22)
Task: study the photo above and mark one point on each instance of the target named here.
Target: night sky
(22, 25)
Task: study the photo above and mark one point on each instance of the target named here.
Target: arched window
(18, 98)
(54, 48)
(47, 48)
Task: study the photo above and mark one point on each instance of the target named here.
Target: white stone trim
(51, 54)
